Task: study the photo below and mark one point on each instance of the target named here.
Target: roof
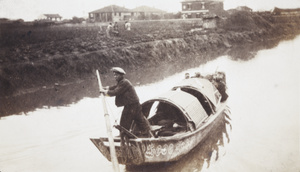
(111, 8)
(147, 9)
(285, 10)
(187, 103)
(202, 85)
(191, 1)
(243, 8)
(53, 15)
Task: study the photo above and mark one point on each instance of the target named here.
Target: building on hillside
(243, 8)
(239, 8)
(200, 8)
(110, 14)
(145, 12)
(290, 12)
(4, 20)
(8, 21)
(50, 17)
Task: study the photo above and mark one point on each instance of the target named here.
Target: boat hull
(156, 150)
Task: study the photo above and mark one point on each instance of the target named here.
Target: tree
(77, 20)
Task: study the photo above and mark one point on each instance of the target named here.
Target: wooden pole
(113, 156)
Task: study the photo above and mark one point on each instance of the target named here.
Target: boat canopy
(202, 85)
(184, 103)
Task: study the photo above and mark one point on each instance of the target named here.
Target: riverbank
(46, 59)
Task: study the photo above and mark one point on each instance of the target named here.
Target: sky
(30, 10)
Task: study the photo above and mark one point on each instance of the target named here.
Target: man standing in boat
(126, 96)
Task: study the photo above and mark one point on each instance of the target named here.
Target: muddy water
(264, 100)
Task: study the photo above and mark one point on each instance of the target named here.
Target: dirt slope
(35, 57)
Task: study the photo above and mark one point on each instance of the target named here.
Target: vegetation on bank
(34, 56)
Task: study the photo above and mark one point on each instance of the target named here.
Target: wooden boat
(180, 119)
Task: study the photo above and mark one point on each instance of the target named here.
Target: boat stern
(127, 155)
(102, 148)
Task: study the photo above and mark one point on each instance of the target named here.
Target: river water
(261, 134)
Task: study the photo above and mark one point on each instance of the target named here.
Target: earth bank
(32, 64)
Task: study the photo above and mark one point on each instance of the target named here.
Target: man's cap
(118, 70)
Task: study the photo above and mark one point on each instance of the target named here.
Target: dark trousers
(133, 112)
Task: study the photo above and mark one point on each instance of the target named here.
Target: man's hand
(103, 91)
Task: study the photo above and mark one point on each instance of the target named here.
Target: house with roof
(145, 12)
(114, 13)
(286, 12)
(50, 17)
(200, 8)
(110, 13)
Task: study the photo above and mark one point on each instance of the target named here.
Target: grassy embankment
(33, 57)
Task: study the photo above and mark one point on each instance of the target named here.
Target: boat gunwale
(210, 119)
(183, 135)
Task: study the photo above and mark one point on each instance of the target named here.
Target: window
(187, 6)
(203, 6)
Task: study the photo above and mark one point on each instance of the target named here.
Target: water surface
(264, 100)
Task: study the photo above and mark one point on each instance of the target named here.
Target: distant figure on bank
(126, 96)
(109, 30)
(127, 25)
(100, 29)
(116, 29)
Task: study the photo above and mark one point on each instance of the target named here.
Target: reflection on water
(201, 156)
(64, 94)
(51, 96)
(248, 51)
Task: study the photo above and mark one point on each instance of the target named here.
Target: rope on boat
(227, 112)
(131, 151)
(125, 146)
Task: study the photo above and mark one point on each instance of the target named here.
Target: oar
(113, 156)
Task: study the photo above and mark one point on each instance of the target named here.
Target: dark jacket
(124, 92)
